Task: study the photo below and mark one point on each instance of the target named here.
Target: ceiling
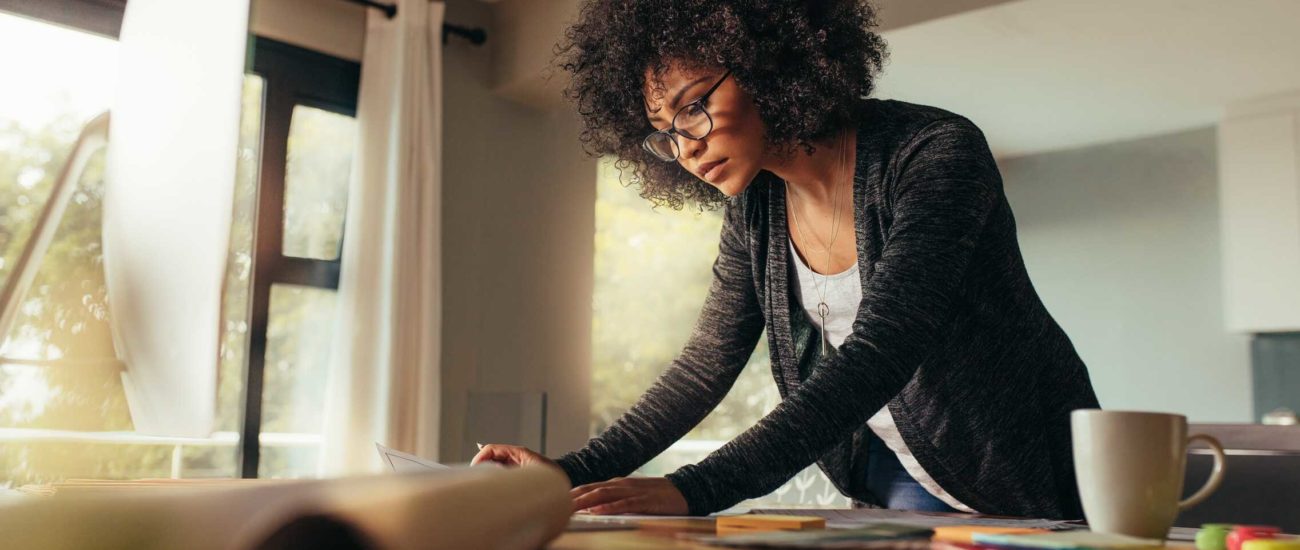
(1043, 75)
(1036, 75)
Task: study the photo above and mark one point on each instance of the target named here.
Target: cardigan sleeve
(727, 330)
(946, 186)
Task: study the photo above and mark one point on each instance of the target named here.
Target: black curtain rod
(476, 36)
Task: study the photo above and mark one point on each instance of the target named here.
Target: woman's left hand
(630, 495)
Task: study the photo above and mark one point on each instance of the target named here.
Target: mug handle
(1216, 474)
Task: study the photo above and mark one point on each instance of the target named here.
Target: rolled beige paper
(506, 508)
(517, 508)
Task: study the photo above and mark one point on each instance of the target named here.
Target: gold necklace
(823, 309)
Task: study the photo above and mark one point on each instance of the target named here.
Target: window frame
(291, 76)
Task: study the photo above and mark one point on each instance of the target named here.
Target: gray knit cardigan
(950, 335)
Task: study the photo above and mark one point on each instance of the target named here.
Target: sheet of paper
(630, 519)
(583, 521)
(1070, 540)
(858, 517)
(880, 535)
(404, 463)
(1182, 534)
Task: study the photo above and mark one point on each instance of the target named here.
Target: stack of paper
(1073, 540)
(858, 517)
(888, 535)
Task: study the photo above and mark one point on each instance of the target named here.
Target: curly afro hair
(807, 64)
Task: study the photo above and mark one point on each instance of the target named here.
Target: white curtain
(384, 377)
(167, 204)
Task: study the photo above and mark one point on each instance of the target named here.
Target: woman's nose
(690, 148)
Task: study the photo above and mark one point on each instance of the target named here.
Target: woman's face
(729, 156)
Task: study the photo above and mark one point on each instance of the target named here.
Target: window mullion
(307, 272)
(268, 235)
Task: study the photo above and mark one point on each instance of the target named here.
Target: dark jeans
(896, 488)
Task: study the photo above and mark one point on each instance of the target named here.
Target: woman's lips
(709, 170)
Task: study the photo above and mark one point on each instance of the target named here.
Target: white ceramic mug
(1130, 468)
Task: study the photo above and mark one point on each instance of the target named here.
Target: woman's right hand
(510, 455)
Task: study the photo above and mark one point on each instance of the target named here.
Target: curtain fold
(384, 381)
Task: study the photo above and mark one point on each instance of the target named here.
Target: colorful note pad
(899, 537)
(965, 533)
(757, 523)
(1068, 540)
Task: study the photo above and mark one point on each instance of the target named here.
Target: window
(63, 413)
(308, 128)
(41, 114)
(58, 374)
(653, 270)
(316, 182)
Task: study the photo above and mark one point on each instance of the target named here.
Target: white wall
(1122, 242)
(1259, 187)
(526, 32)
(328, 26)
(519, 224)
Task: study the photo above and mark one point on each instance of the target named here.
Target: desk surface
(639, 540)
(617, 540)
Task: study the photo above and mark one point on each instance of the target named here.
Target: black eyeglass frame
(672, 125)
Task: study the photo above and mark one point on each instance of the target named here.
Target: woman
(871, 239)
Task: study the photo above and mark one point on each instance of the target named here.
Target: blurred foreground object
(1280, 416)
(517, 508)
(167, 204)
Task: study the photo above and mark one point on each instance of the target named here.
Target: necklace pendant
(823, 310)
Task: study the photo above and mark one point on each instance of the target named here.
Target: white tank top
(843, 293)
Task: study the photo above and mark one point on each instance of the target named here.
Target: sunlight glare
(56, 71)
(26, 392)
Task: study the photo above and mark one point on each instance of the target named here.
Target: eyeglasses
(692, 121)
